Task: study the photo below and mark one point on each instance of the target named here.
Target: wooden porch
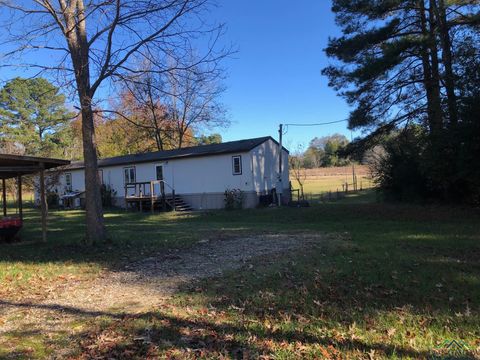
(153, 195)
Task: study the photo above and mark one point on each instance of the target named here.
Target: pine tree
(32, 115)
(397, 64)
(396, 60)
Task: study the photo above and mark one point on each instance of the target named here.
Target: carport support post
(4, 197)
(19, 196)
(43, 203)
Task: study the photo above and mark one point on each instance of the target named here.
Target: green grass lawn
(395, 281)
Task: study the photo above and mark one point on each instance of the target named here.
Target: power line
(314, 124)
(318, 124)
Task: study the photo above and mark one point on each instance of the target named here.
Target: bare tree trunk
(158, 141)
(180, 138)
(78, 45)
(435, 121)
(427, 69)
(447, 60)
(93, 198)
(153, 109)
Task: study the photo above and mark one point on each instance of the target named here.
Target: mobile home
(196, 176)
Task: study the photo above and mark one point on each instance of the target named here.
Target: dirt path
(148, 282)
(142, 285)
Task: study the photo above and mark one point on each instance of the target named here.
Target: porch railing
(156, 190)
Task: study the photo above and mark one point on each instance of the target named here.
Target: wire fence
(330, 184)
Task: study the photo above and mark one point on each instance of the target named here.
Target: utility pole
(280, 153)
(280, 148)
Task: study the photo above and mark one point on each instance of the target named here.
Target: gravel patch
(148, 282)
(145, 284)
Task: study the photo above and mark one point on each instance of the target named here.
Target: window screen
(237, 165)
(129, 174)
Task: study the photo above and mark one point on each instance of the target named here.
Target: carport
(15, 167)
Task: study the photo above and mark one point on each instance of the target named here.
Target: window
(159, 172)
(237, 165)
(129, 175)
(68, 182)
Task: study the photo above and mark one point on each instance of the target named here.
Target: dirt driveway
(148, 282)
(142, 285)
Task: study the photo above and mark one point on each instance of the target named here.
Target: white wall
(78, 182)
(208, 174)
(265, 167)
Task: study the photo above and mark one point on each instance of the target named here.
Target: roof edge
(80, 164)
(34, 159)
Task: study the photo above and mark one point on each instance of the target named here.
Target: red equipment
(9, 227)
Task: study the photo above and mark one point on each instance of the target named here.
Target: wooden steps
(180, 204)
(142, 199)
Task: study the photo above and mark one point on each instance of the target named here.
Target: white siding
(209, 174)
(78, 181)
(265, 167)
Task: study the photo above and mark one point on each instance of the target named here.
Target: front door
(159, 172)
(159, 176)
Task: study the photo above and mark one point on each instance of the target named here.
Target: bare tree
(141, 105)
(174, 104)
(193, 100)
(90, 43)
(144, 112)
(297, 169)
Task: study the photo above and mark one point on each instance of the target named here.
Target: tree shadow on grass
(189, 336)
(133, 233)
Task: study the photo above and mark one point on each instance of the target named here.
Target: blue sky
(276, 75)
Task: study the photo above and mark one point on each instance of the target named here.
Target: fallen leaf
(391, 332)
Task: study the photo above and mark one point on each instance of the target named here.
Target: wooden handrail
(152, 196)
(151, 184)
(162, 182)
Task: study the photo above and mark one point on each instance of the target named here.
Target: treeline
(411, 71)
(326, 151)
(36, 120)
